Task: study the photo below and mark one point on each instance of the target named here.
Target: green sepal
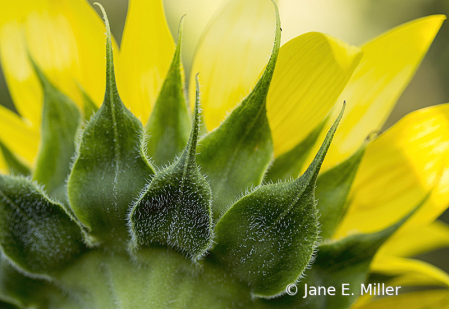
(36, 234)
(236, 155)
(175, 208)
(15, 166)
(60, 122)
(341, 262)
(26, 292)
(169, 125)
(288, 165)
(110, 168)
(268, 237)
(332, 190)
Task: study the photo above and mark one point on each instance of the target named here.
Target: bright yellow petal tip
(146, 52)
(311, 72)
(398, 169)
(387, 66)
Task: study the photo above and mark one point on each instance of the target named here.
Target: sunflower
(97, 192)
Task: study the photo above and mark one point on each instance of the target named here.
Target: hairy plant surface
(120, 215)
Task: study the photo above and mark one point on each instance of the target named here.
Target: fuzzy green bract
(60, 121)
(169, 124)
(35, 232)
(236, 155)
(110, 167)
(175, 207)
(268, 237)
(97, 225)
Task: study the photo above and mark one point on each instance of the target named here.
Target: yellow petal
(22, 82)
(3, 165)
(89, 34)
(310, 74)
(146, 52)
(231, 55)
(17, 136)
(417, 241)
(398, 169)
(66, 39)
(388, 64)
(409, 272)
(198, 14)
(432, 299)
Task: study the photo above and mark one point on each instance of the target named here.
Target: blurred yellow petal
(89, 34)
(3, 165)
(387, 66)
(146, 52)
(17, 136)
(66, 39)
(433, 299)
(398, 169)
(22, 82)
(198, 14)
(231, 55)
(417, 241)
(310, 74)
(409, 272)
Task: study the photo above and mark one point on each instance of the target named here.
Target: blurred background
(354, 21)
